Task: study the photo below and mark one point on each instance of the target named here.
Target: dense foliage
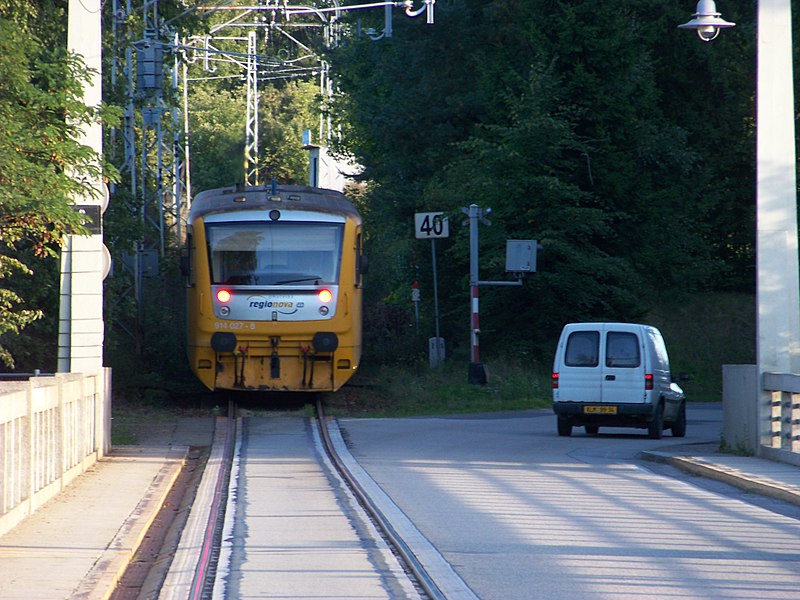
(42, 165)
(624, 145)
(217, 121)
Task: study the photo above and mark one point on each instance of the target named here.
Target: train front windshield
(258, 253)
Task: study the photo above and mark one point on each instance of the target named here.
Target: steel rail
(423, 578)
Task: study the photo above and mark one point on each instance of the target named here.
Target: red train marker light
(325, 296)
(224, 296)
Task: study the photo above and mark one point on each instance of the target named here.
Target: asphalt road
(522, 513)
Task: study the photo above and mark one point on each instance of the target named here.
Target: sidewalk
(757, 475)
(79, 544)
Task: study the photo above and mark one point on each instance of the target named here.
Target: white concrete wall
(52, 429)
(328, 173)
(740, 430)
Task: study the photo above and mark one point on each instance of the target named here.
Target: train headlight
(224, 296)
(325, 296)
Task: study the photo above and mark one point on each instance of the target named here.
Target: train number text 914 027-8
(236, 325)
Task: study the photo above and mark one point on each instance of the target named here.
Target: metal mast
(251, 127)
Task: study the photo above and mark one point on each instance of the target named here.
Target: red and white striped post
(477, 371)
(475, 327)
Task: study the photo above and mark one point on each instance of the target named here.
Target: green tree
(42, 165)
(217, 125)
(566, 118)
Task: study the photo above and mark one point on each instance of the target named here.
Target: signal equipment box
(521, 256)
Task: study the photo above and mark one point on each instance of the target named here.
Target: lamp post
(777, 280)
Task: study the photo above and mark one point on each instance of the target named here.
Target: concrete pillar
(778, 321)
(739, 419)
(81, 329)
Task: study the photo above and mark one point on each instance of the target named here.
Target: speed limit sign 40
(431, 225)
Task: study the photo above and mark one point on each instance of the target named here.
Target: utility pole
(477, 371)
(520, 260)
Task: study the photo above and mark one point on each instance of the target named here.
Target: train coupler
(305, 351)
(275, 361)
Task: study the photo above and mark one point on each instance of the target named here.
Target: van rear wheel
(655, 428)
(679, 426)
(564, 427)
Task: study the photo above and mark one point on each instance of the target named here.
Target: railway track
(210, 540)
(396, 541)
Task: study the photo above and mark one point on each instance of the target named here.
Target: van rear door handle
(611, 377)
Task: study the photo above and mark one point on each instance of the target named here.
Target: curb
(746, 482)
(100, 581)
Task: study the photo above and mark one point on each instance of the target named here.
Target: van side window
(622, 349)
(582, 349)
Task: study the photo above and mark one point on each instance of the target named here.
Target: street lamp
(706, 21)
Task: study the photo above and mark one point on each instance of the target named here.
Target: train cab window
(286, 253)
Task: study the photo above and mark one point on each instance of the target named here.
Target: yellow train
(275, 279)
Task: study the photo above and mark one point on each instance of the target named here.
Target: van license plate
(600, 410)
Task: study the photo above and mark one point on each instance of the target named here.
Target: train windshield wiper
(299, 280)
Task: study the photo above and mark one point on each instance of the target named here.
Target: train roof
(298, 197)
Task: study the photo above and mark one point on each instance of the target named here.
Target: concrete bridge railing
(52, 429)
(762, 418)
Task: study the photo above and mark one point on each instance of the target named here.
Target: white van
(615, 375)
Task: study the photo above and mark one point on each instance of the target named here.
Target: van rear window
(582, 349)
(622, 350)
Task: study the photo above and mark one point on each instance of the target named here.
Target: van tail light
(554, 378)
(648, 381)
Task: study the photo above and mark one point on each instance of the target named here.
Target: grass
(392, 391)
(702, 332)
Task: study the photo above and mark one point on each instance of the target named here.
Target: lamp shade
(706, 21)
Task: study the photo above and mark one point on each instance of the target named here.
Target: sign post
(433, 225)
(415, 298)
